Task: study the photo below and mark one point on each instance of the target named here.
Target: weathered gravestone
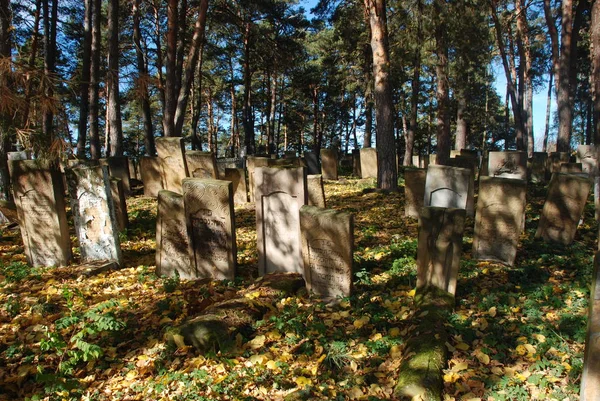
(201, 164)
(211, 227)
(150, 172)
(118, 166)
(356, 163)
(133, 169)
(94, 214)
(567, 195)
(499, 219)
(237, 176)
(416, 161)
(316, 192)
(439, 247)
(571, 168)
(414, 191)
(538, 169)
(312, 163)
(555, 159)
(172, 162)
(368, 163)
(280, 193)
(39, 197)
(329, 164)
(512, 164)
(327, 250)
(587, 156)
(252, 162)
(590, 378)
(447, 187)
(118, 195)
(454, 153)
(172, 240)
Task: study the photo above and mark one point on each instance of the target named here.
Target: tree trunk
(171, 69)
(181, 45)
(525, 54)
(565, 111)
(50, 21)
(368, 82)
(31, 65)
(247, 116)
(94, 115)
(415, 87)
(595, 55)
(442, 92)
(197, 107)
(5, 118)
(460, 141)
(113, 106)
(548, 108)
(84, 84)
(271, 117)
(159, 53)
(142, 82)
(387, 172)
(317, 134)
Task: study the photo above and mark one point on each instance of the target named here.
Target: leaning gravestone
(238, 178)
(280, 193)
(566, 199)
(327, 250)
(590, 377)
(94, 214)
(414, 191)
(329, 164)
(499, 219)
(211, 225)
(201, 164)
(439, 247)
(539, 164)
(118, 166)
(368, 163)
(172, 162)
(587, 156)
(39, 197)
(316, 192)
(150, 172)
(172, 240)
(118, 195)
(447, 187)
(512, 164)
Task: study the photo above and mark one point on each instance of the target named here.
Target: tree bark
(548, 108)
(442, 92)
(525, 54)
(247, 116)
(84, 84)
(565, 111)
(387, 172)
(460, 141)
(114, 106)
(159, 53)
(171, 67)
(595, 53)
(5, 118)
(94, 115)
(31, 64)
(50, 21)
(415, 87)
(368, 77)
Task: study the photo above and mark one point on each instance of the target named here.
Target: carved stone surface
(512, 164)
(201, 164)
(499, 219)
(327, 251)
(368, 163)
(329, 164)
(567, 195)
(316, 193)
(94, 214)
(447, 187)
(172, 240)
(414, 191)
(150, 172)
(439, 247)
(172, 162)
(211, 226)
(237, 176)
(590, 378)
(280, 193)
(39, 197)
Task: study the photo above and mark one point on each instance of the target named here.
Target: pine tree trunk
(50, 21)
(5, 118)
(94, 115)
(565, 111)
(595, 55)
(548, 108)
(113, 106)
(171, 69)
(84, 84)
(247, 117)
(442, 92)
(460, 141)
(415, 87)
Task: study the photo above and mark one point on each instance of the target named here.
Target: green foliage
(170, 284)
(15, 272)
(338, 355)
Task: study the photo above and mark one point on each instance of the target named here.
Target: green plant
(15, 272)
(12, 306)
(170, 284)
(338, 355)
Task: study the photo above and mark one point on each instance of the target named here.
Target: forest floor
(516, 333)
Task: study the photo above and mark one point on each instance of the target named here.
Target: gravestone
(94, 214)
(280, 193)
(539, 164)
(566, 199)
(172, 240)
(416, 161)
(499, 219)
(39, 198)
(356, 163)
(454, 153)
(431, 159)
(118, 195)
(447, 187)
(555, 159)
(316, 192)
(571, 168)
(327, 249)
(439, 247)
(237, 176)
(201, 164)
(368, 163)
(118, 166)
(312, 163)
(587, 156)
(414, 191)
(133, 169)
(290, 154)
(590, 378)
(211, 226)
(329, 164)
(172, 162)
(252, 162)
(150, 172)
(511, 164)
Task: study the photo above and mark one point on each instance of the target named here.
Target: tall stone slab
(237, 176)
(172, 240)
(316, 192)
(587, 156)
(171, 153)
(368, 162)
(356, 163)
(211, 226)
(511, 164)
(39, 197)
(252, 162)
(439, 247)
(590, 378)
(94, 214)
(118, 195)
(416, 161)
(499, 219)
(566, 199)
(329, 164)
(201, 164)
(414, 191)
(447, 187)
(133, 169)
(118, 166)
(280, 193)
(327, 250)
(150, 172)
(538, 169)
